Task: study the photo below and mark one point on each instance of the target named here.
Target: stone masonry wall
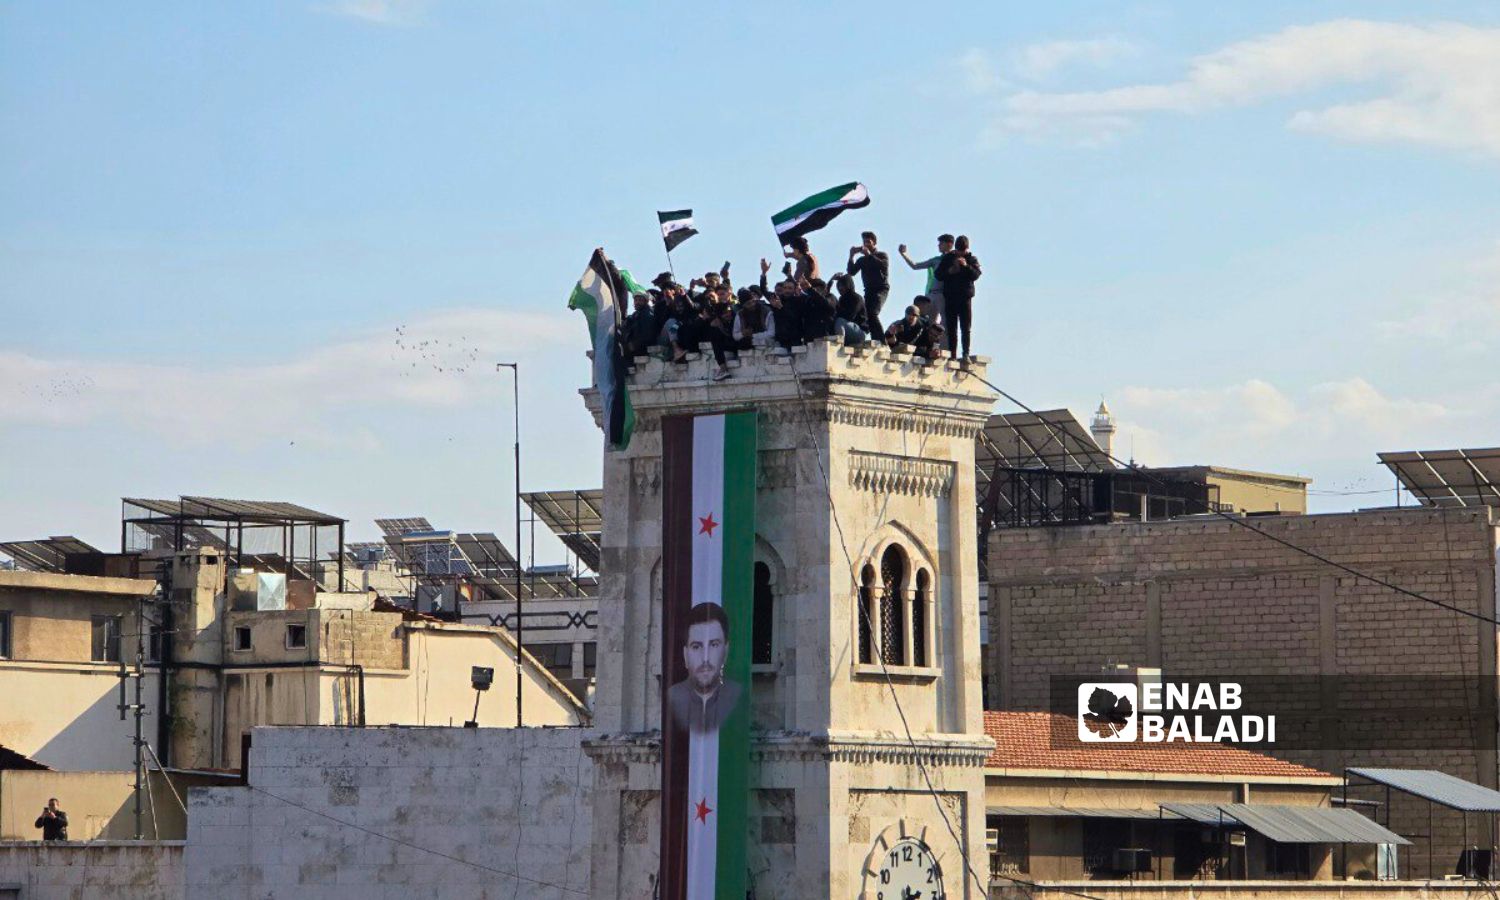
(375, 813)
(1207, 599)
(102, 870)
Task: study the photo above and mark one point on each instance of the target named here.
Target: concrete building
(63, 639)
(337, 662)
(1062, 810)
(1359, 674)
(864, 457)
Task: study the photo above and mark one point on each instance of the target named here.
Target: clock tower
(867, 745)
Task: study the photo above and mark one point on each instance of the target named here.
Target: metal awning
(1439, 787)
(1202, 813)
(1311, 824)
(1087, 812)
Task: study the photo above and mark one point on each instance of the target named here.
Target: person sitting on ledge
(849, 312)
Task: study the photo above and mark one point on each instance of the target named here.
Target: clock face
(908, 871)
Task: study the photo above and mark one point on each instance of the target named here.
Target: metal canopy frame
(1438, 789)
(576, 517)
(281, 535)
(45, 555)
(1448, 477)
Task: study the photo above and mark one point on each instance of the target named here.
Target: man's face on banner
(704, 654)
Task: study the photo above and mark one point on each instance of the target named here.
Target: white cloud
(381, 12)
(1430, 84)
(444, 361)
(1040, 61)
(1466, 319)
(1333, 428)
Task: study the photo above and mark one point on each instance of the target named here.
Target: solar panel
(576, 517)
(1448, 477)
(485, 552)
(49, 555)
(400, 526)
(1051, 439)
(537, 587)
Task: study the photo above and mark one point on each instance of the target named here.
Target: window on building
(1101, 838)
(558, 658)
(866, 615)
(5, 648)
(763, 619)
(106, 638)
(590, 658)
(153, 643)
(1288, 860)
(296, 637)
(242, 637)
(1010, 845)
(920, 599)
(892, 606)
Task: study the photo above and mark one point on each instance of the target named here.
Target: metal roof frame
(1460, 477)
(45, 555)
(1439, 787)
(1311, 824)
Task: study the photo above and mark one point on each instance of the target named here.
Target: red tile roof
(1042, 740)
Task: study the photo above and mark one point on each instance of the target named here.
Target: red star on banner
(701, 810)
(706, 524)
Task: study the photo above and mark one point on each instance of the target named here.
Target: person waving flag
(818, 210)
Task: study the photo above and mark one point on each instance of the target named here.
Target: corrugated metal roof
(1202, 813)
(1311, 824)
(1439, 787)
(1086, 812)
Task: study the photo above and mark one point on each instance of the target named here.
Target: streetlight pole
(515, 371)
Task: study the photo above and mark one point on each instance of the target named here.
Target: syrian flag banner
(600, 295)
(708, 545)
(676, 227)
(818, 210)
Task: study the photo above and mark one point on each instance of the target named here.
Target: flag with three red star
(708, 534)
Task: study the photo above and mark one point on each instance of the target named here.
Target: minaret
(1103, 428)
(864, 517)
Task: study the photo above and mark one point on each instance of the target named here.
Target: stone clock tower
(866, 610)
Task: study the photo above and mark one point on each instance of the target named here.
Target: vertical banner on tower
(708, 545)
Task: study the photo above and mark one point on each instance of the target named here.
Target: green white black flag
(676, 227)
(818, 210)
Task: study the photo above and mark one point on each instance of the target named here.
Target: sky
(1264, 233)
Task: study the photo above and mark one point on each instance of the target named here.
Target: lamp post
(515, 371)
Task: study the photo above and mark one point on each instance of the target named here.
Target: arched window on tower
(893, 606)
(919, 618)
(866, 614)
(762, 619)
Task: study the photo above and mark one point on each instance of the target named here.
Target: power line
(1312, 554)
(395, 840)
(885, 672)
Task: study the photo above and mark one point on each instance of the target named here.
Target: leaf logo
(1107, 711)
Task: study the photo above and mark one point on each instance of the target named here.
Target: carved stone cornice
(638, 747)
(885, 473)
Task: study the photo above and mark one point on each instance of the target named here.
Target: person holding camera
(958, 271)
(934, 288)
(873, 267)
(53, 822)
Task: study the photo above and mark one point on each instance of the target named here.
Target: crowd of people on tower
(804, 305)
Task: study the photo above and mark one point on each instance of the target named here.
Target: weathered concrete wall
(1261, 890)
(504, 802)
(1211, 600)
(115, 870)
(100, 805)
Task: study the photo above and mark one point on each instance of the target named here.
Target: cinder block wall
(1207, 599)
(375, 812)
(102, 870)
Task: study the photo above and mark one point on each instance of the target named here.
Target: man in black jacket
(53, 822)
(641, 328)
(874, 270)
(958, 271)
(849, 311)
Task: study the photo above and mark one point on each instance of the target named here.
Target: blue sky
(1264, 232)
